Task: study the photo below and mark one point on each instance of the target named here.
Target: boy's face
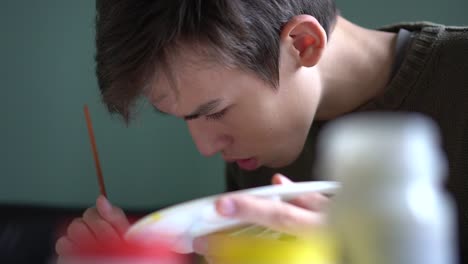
(237, 114)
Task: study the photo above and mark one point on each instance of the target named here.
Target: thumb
(277, 215)
(114, 215)
(280, 179)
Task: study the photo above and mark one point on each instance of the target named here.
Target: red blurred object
(157, 251)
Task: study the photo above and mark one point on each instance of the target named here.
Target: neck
(355, 68)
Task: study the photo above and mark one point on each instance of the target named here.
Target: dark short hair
(134, 38)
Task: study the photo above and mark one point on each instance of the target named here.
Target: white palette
(181, 223)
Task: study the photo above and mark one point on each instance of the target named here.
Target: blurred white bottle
(392, 208)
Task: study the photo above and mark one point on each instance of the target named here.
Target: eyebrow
(203, 109)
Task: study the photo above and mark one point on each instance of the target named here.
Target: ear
(308, 37)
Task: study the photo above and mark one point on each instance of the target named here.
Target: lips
(247, 164)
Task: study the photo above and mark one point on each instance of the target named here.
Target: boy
(255, 81)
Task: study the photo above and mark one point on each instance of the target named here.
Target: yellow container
(269, 247)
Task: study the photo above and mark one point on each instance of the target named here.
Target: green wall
(374, 13)
(47, 74)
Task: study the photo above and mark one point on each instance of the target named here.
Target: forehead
(187, 75)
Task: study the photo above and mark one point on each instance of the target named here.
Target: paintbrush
(102, 187)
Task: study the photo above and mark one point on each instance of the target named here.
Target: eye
(217, 115)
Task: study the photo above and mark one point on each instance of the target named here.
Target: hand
(101, 225)
(295, 217)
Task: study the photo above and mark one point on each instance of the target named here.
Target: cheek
(257, 117)
(256, 126)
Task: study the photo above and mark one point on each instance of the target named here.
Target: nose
(208, 139)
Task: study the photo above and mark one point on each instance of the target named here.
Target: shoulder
(420, 25)
(455, 38)
(446, 33)
(442, 45)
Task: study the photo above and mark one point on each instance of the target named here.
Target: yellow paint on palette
(148, 220)
(155, 217)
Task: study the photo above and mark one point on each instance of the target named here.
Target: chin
(278, 164)
(283, 162)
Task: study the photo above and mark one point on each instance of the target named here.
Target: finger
(277, 215)
(102, 230)
(60, 260)
(279, 179)
(114, 215)
(79, 233)
(312, 201)
(65, 247)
